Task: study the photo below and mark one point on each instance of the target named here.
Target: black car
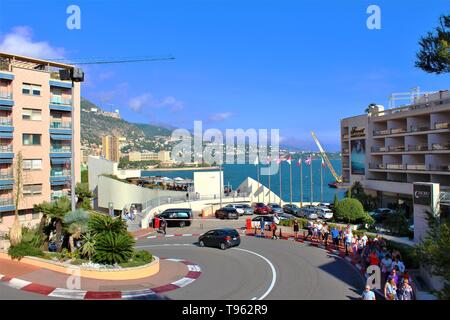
(291, 209)
(227, 213)
(222, 238)
(176, 217)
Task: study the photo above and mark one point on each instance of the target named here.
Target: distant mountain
(95, 124)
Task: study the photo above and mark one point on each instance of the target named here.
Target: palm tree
(15, 234)
(76, 222)
(44, 208)
(57, 213)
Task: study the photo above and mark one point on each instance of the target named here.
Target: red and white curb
(24, 285)
(174, 235)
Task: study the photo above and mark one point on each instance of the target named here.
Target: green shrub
(139, 258)
(24, 249)
(32, 237)
(397, 223)
(350, 210)
(112, 248)
(409, 255)
(99, 223)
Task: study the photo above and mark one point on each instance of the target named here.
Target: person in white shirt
(364, 240)
(386, 264)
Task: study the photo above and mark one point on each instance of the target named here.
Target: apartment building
(111, 148)
(388, 150)
(162, 156)
(36, 119)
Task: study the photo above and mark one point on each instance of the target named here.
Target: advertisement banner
(358, 156)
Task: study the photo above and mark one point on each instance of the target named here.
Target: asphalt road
(257, 269)
(300, 271)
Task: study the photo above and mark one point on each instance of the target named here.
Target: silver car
(309, 213)
(275, 208)
(248, 210)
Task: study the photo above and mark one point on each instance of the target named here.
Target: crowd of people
(367, 251)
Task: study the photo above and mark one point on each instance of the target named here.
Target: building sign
(358, 156)
(423, 194)
(358, 132)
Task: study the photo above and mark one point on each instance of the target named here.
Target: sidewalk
(173, 274)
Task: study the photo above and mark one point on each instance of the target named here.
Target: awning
(60, 160)
(60, 84)
(59, 182)
(6, 187)
(6, 76)
(5, 161)
(61, 137)
(6, 135)
(6, 108)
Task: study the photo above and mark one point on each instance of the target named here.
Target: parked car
(227, 213)
(275, 208)
(324, 213)
(285, 216)
(309, 213)
(222, 238)
(239, 208)
(248, 210)
(381, 213)
(260, 208)
(291, 209)
(325, 205)
(267, 220)
(176, 217)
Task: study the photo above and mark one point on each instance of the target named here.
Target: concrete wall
(122, 194)
(207, 183)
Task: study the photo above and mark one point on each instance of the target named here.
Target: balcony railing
(5, 175)
(409, 167)
(6, 202)
(55, 195)
(440, 146)
(345, 136)
(6, 148)
(345, 151)
(60, 100)
(417, 147)
(60, 125)
(60, 149)
(59, 173)
(5, 121)
(5, 95)
(418, 106)
(412, 129)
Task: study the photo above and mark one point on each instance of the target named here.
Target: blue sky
(293, 65)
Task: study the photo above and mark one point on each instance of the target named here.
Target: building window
(32, 190)
(31, 114)
(35, 215)
(31, 89)
(32, 164)
(29, 139)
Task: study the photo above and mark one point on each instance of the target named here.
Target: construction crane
(87, 61)
(325, 157)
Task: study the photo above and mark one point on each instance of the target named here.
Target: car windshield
(260, 204)
(276, 206)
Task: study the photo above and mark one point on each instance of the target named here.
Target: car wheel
(201, 243)
(182, 224)
(223, 246)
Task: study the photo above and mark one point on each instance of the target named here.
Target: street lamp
(74, 75)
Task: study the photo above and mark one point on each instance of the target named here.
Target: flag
(308, 160)
(288, 160)
(299, 162)
(323, 163)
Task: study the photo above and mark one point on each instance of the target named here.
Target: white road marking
(68, 293)
(272, 267)
(18, 283)
(187, 235)
(183, 282)
(193, 267)
(175, 259)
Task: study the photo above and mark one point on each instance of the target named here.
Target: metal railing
(55, 195)
(5, 95)
(60, 124)
(60, 100)
(6, 175)
(59, 173)
(412, 129)
(5, 121)
(409, 167)
(417, 106)
(440, 146)
(6, 202)
(60, 149)
(6, 148)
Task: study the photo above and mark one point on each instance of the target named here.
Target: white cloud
(220, 116)
(138, 102)
(20, 41)
(147, 99)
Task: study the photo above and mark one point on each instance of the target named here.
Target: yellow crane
(325, 157)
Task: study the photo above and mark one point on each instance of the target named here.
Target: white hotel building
(389, 150)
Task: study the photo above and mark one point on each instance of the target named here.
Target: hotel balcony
(6, 124)
(345, 151)
(438, 126)
(55, 195)
(61, 151)
(345, 137)
(6, 152)
(417, 148)
(6, 175)
(409, 167)
(59, 102)
(6, 204)
(419, 106)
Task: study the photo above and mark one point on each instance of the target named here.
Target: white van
(324, 213)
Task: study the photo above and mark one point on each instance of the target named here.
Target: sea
(235, 174)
